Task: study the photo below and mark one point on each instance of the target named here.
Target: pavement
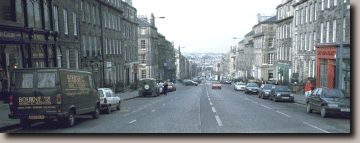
(7, 124)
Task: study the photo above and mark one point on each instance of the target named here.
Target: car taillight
(58, 108)
(58, 99)
(105, 101)
(11, 98)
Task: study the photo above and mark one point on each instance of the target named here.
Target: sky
(205, 25)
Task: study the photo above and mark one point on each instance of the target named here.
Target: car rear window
(101, 94)
(333, 93)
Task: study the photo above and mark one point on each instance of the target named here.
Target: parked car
(171, 87)
(281, 93)
(227, 82)
(265, 90)
(216, 85)
(190, 83)
(328, 101)
(239, 86)
(108, 100)
(52, 94)
(251, 88)
(148, 86)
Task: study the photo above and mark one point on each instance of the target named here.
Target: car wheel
(118, 106)
(108, 109)
(70, 119)
(96, 113)
(308, 108)
(25, 123)
(323, 112)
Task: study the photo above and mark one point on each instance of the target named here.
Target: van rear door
(34, 93)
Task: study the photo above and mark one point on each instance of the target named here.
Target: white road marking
(266, 107)
(211, 103)
(283, 114)
(153, 110)
(316, 127)
(213, 109)
(133, 121)
(255, 102)
(164, 104)
(218, 120)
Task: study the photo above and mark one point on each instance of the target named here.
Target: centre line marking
(218, 120)
(153, 110)
(132, 121)
(213, 109)
(211, 103)
(266, 107)
(283, 114)
(316, 127)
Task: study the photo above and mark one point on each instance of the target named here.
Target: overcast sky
(205, 25)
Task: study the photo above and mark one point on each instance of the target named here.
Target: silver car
(108, 100)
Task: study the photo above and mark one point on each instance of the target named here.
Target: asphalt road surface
(200, 109)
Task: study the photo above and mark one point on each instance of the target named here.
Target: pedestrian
(165, 88)
(308, 88)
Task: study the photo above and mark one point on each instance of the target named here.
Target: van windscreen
(46, 79)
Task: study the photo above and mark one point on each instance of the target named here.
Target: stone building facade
(333, 47)
(264, 49)
(305, 36)
(284, 41)
(148, 47)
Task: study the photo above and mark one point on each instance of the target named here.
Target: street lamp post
(339, 51)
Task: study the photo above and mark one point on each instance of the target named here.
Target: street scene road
(200, 109)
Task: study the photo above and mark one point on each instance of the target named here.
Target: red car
(216, 85)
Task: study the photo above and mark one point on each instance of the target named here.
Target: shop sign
(4, 34)
(38, 37)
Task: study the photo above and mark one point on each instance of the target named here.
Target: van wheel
(118, 106)
(25, 123)
(96, 113)
(70, 120)
(108, 109)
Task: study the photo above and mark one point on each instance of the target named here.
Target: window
(68, 58)
(26, 80)
(143, 73)
(311, 12)
(37, 14)
(305, 41)
(95, 46)
(90, 46)
(93, 14)
(327, 32)
(306, 14)
(106, 46)
(334, 31)
(75, 23)
(83, 43)
(76, 54)
(322, 33)
(46, 80)
(82, 10)
(310, 41)
(335, 2)
(142, 44)
(315, 11)
(142, 31)
(302, 16)
(88, 13)
(46, 15)
(328, 3)
(66, 30)
(314, 41)
(56, 19)
(344, 29)
(322, 4)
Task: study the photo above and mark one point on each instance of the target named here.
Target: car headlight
(278, 94)
(266, 92)
(332, 105)
(292, 95)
